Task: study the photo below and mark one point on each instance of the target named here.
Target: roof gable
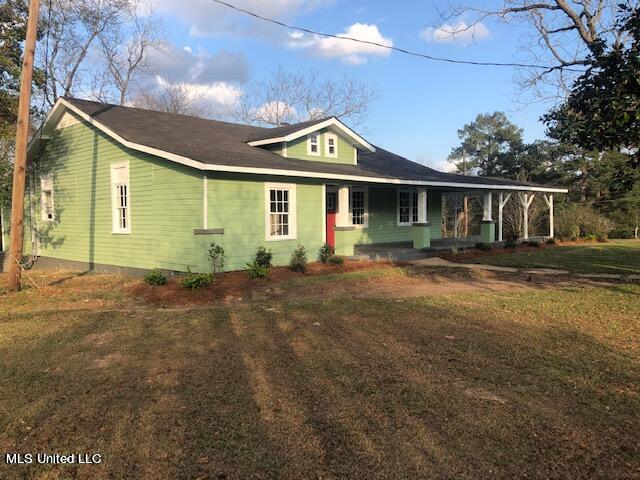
(288, 133)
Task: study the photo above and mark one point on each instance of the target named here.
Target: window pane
(414, 207)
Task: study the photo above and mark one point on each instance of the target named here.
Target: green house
(112, 186)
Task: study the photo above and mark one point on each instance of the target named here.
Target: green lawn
(536, 383)
(616, 256)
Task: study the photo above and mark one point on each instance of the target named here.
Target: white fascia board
(291, 173)
(330, 122)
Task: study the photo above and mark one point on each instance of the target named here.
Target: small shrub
(155, 277)
(551, 241)
(335, 260)
(511, 242)
(483, 246)
(254, 270)
(263, 257)
(196, 280)
(533, 243)
(298, 262)
(216, 258)
(325, 252)
(590, 237)
(602, 238)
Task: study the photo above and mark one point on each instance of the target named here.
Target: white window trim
(317, 136)
(411, 192)
(293, 229)
(115, 229)
(43, 211)
(366, 207)
(334, 137)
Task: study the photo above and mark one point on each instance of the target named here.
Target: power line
(388, 47)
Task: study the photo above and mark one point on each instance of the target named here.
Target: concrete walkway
(441, 262)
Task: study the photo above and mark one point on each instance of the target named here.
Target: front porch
(406, 222)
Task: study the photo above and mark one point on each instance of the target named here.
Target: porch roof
(212, 145)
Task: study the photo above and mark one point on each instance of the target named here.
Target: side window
(332, 145)
(404, 207)
(120, 198)
(359, 206)
(313, 144)
(46, 199)
(280, 211)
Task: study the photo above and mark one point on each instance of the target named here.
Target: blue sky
(422, 103)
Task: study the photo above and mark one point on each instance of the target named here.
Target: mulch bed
(234, 286)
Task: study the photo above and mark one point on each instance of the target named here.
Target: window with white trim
(120, 198)
(280, 211)
(407, 207)
(46, 199)
(313, 144)
(331, 147)
(358, 199)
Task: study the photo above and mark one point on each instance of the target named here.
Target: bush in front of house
(335, 260)
(325, 253)
(551, 241)
(533, 243)
(255, 270)
(193, 280)
(483, 246)
(155, 277)
(216, 258)
(298, 262)
(263, 257)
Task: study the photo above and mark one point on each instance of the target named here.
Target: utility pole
(22, 137)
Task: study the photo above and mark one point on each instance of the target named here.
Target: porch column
(343, 230)
(548, 199)
(502, 201)
(421, 230)
(525, 200)
(488, 226)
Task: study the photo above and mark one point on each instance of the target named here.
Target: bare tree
(173, 97)
(126, 54)
(563, 34)
(75, 27)
(295, 97)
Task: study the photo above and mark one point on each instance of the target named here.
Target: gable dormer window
(313, 144)
(332, 145)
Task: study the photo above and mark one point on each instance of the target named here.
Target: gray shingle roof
(221, 143)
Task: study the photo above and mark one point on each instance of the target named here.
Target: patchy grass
(617, 256)
(535, 383)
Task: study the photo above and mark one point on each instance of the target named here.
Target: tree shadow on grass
(359, 389)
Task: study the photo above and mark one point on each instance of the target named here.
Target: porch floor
(405, 250)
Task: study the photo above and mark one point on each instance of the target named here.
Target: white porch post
(548, 199)
(502, 201)
(487, 208)
(422, 205)
(526, 199)
(342, 213)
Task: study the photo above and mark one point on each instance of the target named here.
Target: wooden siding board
(298, 149)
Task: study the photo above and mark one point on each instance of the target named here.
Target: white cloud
(459, 32)
(205, 17)
(354, 53)
(217, 99)
(183, 64)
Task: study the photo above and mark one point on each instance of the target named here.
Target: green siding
(298, 149)
(166, 206)
(237, 204)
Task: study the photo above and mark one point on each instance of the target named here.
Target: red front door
(331, 219)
